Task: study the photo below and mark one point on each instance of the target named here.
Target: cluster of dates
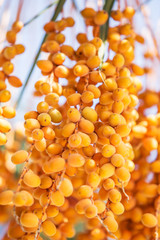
(7, 67)
(83, 152)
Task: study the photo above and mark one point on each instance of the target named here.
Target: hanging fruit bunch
(9, 52)
(7, 67)
(89, 144)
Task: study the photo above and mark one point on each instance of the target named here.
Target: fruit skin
(37, 134)
(117, 208)
(66, 187)
(17, 26)
(123, 174)
(49, 228)
(5, 95)
(56, 164)
(89, 114)
(73, 114)
(150, 144)
(42, 107)
(40, 145)
(61, 71)
(111, 224)
(55, 115)
(86, 126)
(87, 97)
(91, 211)
(75, 140)
(9, 112)
(76, 160)
(31, 179)
(107, 170)
(101, 17)
(46, 182)
(45, 65)
(23, 198)
(100, 206)
(108, 184)
(6, 197)
(117, 160)
(85, 191)
(14, 231)
(149, 220)
(31, 124)
(29, 220)
(54, 148)
(4, 126)
(93, 180)
(14, 81)
(19, 157)
(3, 139)
(81, 205)
(114, 196)
(108, 150)
(81, 70)
(11, 36)
(52, 211)
(48, 132)
(44, 119)
(88, 12)
(57, 199)
(74, 99)
(68, 129)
